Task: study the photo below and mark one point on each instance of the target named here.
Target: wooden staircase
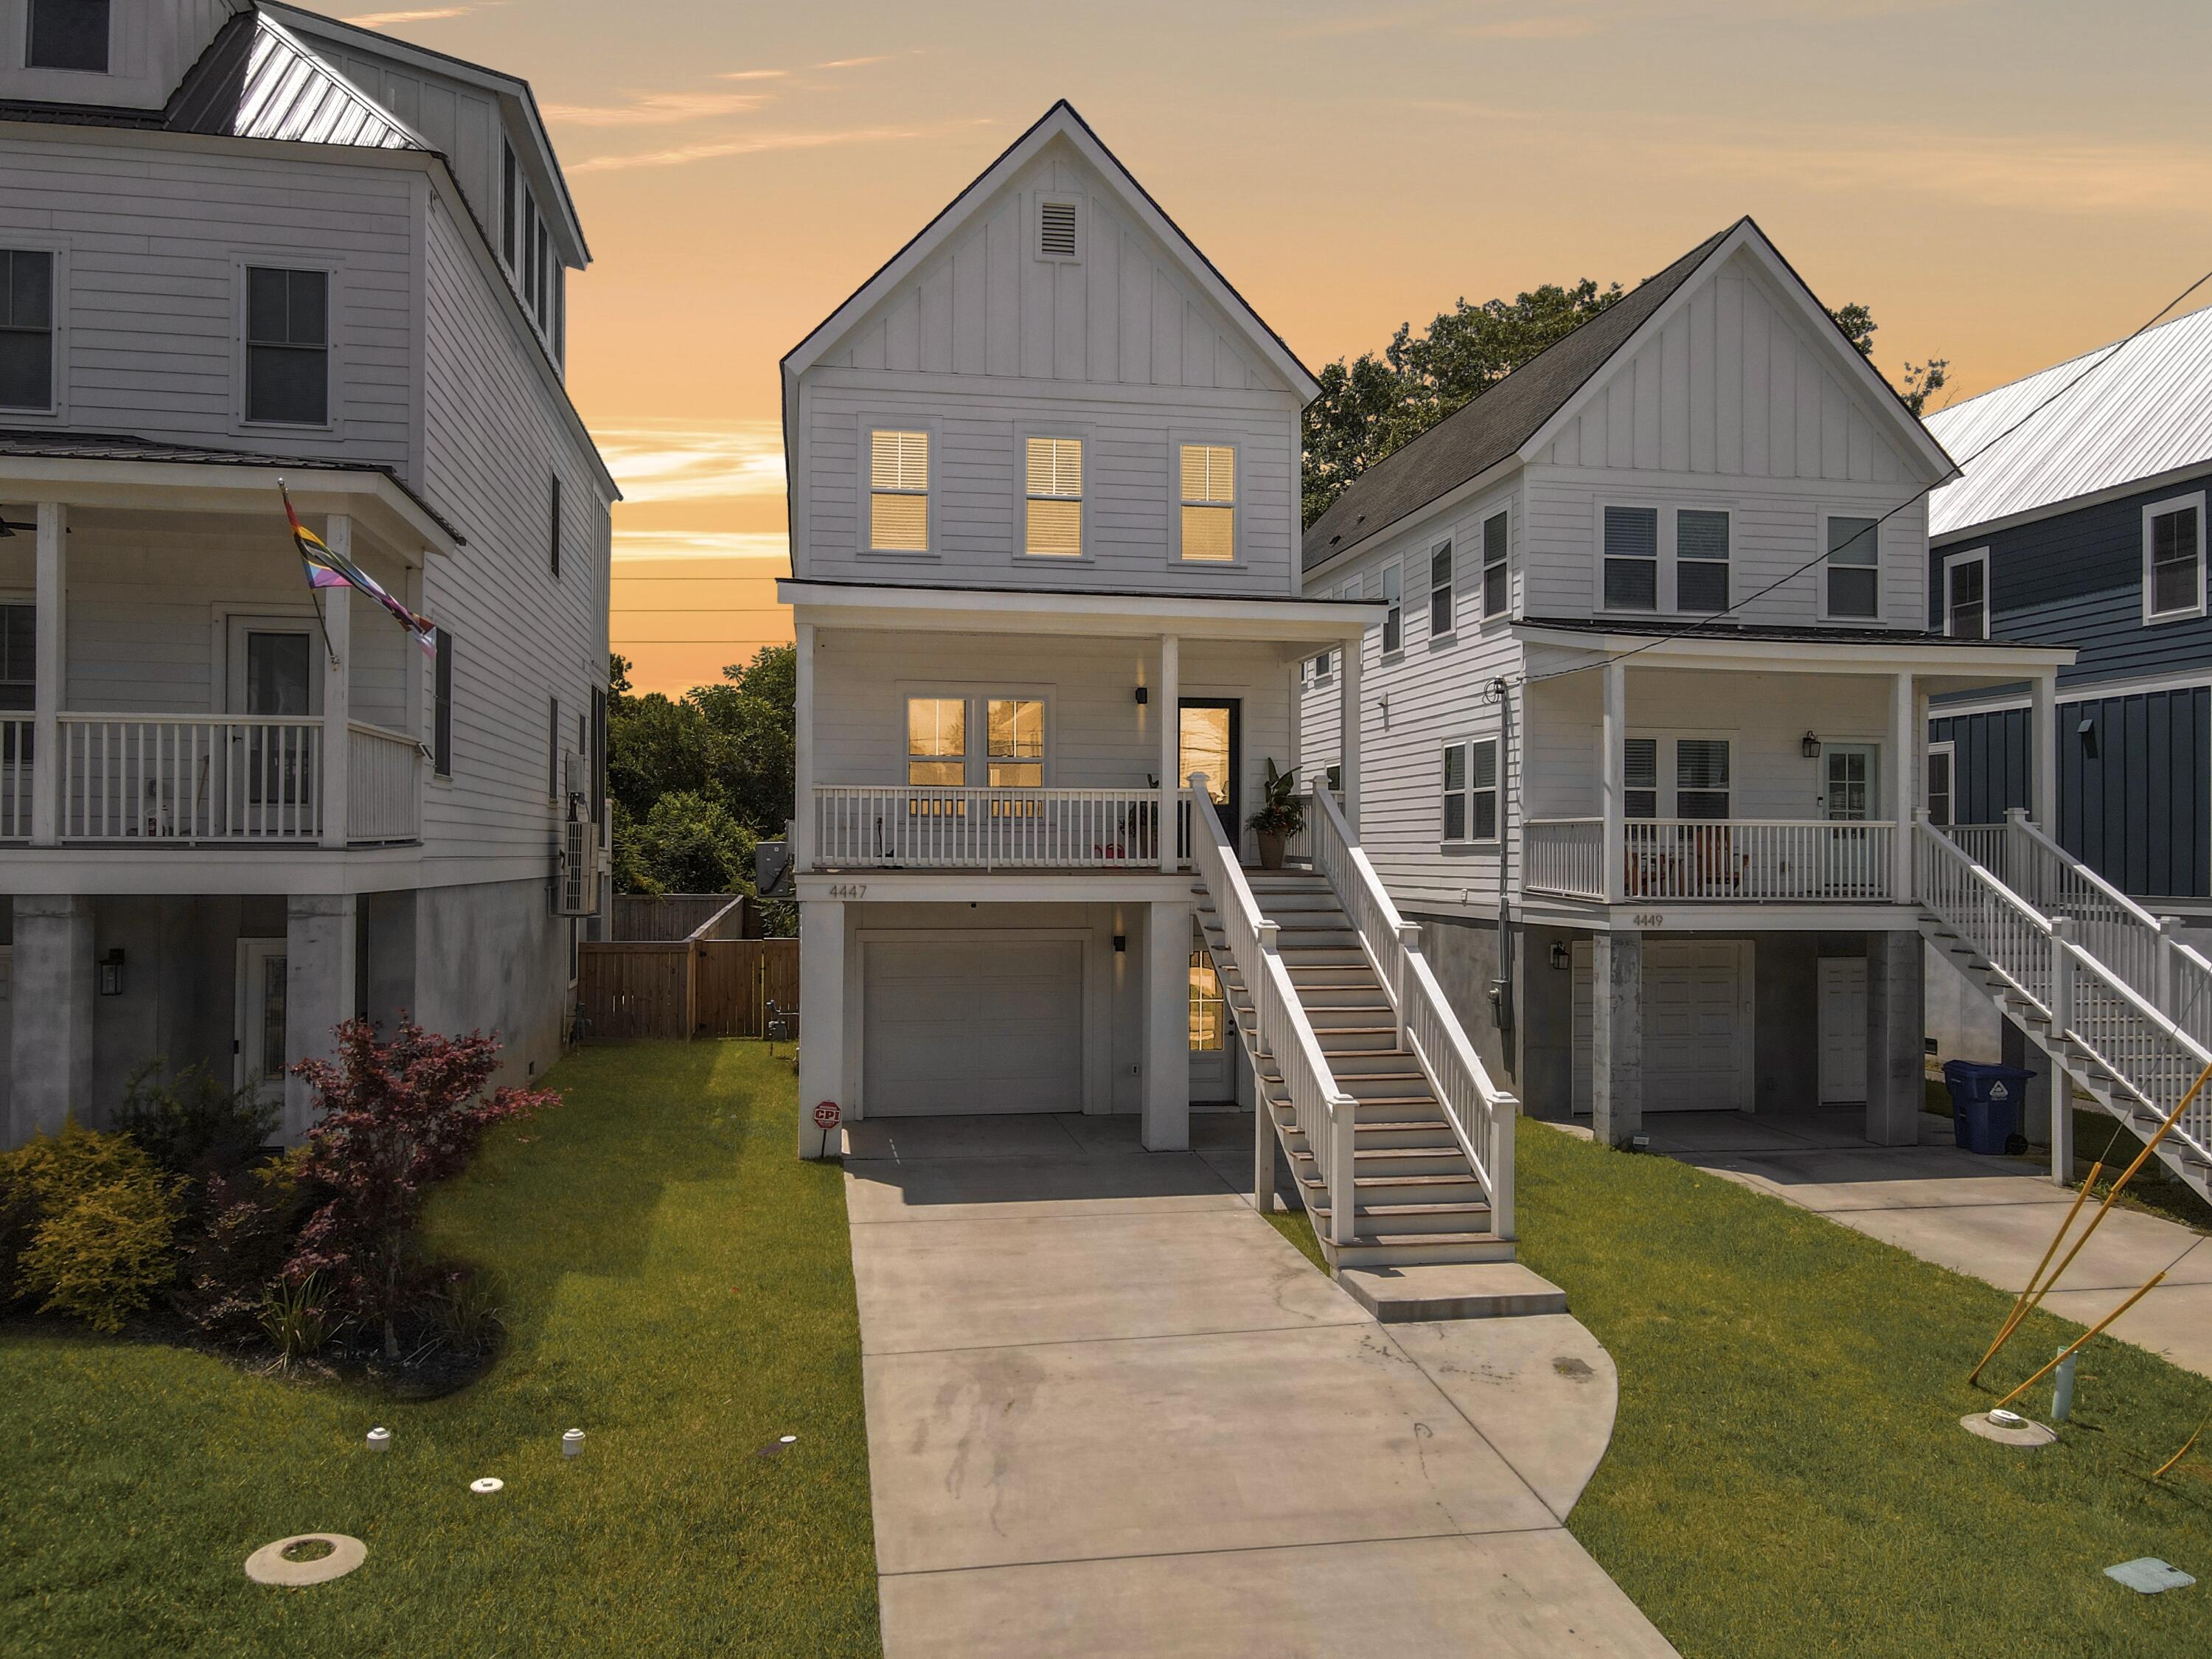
(1417, 1197)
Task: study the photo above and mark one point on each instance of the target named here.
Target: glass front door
(1210, 743)
(1213, 1050)
(1849, 775)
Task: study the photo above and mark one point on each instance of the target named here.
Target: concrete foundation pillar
(1895, 1022)
(320, 964)
(54, 996)
(822, 1070)
(1166, 1124)
(2014, 1048)
(1617, 1036)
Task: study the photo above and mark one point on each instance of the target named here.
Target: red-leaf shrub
(397, 1116)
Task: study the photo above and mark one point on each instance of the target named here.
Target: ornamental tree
(398, 1117)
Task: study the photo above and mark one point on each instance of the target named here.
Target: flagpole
(313, 598)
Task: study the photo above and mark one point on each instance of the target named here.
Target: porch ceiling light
(1809, 746)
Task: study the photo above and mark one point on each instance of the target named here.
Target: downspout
(1501, 988)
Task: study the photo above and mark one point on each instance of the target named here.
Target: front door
(1849, 795)
(1843, 1030)
(276, 673)
(1213, 1044)
(259, 1044)
(1212, 743)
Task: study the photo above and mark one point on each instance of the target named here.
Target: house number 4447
(849, 889)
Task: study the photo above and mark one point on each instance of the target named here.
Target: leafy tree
(689, 843)
(752, 714)
(1922, 380)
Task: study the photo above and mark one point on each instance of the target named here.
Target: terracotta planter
(1271, 849)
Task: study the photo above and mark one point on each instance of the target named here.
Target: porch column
(1166, 1123)
(319, 992)
(1613, 791)
(1171, 784)
(51, 1046)
(1895, 1046)
(338, 687)
(821, 1020)
(802, 806)
(1905, 768)
(1348, 722)
(51, 671)
(1617, 1036)
(2044, 768)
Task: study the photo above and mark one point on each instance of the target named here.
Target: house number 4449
(1652, 919)
(849, 889)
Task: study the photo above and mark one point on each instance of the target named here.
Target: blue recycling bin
(1984, 1103)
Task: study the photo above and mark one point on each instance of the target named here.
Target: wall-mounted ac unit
(577, 867)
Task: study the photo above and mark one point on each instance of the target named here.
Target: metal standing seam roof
(2147, 411)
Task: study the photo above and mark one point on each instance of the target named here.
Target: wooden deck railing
(860, 826)
(1717, 861)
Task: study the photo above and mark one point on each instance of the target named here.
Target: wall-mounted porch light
(1809, 746)
(110, 973)
(1144, 696)
(2090, 748)
(1121, 944)
(1562, 958)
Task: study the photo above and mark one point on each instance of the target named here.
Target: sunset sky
(2005, 185)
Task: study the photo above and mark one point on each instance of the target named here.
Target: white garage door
(981, 1024)
(1696, 1025)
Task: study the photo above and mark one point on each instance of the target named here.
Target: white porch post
(1171, 723)
(51, 672)
(1614, 797)
(338, 687)
(1348, 721)
(1905, 744)
(1165, 1125)
(802, 806)
(821, 1018)
(2044, 768)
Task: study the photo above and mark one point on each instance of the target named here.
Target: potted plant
(1282, 814)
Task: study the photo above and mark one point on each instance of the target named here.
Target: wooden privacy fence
(702, 986)
(642, 918)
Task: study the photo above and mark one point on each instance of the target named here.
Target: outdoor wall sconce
(1809, 746)
(1144, 696)
(1562, 958)
(2090, 749)
(1121, 944)
(110, 973)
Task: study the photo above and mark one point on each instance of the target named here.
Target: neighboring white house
(240, 242)
(1044, 492)
(1663, 854)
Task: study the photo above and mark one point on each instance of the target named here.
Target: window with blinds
(1701, 778)
(899, 492)
(1701, 559)
(1209, 503)
(1632, 558)
(1055, 468)
(1441, 613)
(1639, 773)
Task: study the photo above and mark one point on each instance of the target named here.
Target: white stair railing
(1325, 1112)
(2011, 935)
(1481, 1113)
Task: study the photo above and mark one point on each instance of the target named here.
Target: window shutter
(441, 726)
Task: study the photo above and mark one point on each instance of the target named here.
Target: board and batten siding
(495, 431)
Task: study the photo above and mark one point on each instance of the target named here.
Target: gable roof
(1060, 121)
(1519, 413)
(2145, 412)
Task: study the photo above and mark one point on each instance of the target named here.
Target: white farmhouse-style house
(240, 243)
(1044, 496)
(1642, 720)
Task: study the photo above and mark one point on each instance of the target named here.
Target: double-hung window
(1967, 595)
(1639, 773)
(1701, 778)
(1393, 610)
(898, 491)
(1632, 558)
(553, 528)
(1014, 734)
(1054, 468)
(1497, 584)
(27, 329)
(1939, 791)
(1442, 612)
(1471, 791)
(68, 34)
(1701, 559)
(2173, 559)
(441, 707)
(936, 741)
(19, 648)
(1209, 503)
(1854, 572)
(288, 346)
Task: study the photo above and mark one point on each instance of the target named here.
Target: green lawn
(1787, 1475)
(679, 1287)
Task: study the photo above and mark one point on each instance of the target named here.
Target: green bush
(192, 1124)
(104, 1228)
(245, 1234)
(299, 1319)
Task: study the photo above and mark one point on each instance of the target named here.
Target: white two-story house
(240, 243)
(1044, 496)
(1643, 718)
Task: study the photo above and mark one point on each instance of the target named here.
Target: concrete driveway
(1111, 1411)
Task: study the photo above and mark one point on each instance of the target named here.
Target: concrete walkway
(1989, 1217)
(1111, 1411)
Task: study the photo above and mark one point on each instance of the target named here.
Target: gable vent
(1055, 230)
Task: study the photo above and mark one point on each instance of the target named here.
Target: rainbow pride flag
(327, 569)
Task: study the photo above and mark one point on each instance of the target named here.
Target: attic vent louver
(1056, 230)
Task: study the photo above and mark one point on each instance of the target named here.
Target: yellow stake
(2083, 1338)
(2019, 1308)
(2183, 1453)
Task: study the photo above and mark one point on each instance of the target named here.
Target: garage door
(981, 1024)
(1696, 1025)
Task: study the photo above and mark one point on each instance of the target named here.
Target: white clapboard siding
(153, 43)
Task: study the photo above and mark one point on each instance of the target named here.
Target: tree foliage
(1921, 381)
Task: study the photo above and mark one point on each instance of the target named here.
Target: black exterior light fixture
(1144, 696)
(1809, 746)
(110, 973)
(2087, 732)
(1121, 944)
(1562, 958)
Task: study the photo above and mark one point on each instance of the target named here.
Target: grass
(1787, 1475)
(678, 1285)
(1296, 1226)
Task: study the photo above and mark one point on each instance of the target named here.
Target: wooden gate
(734, 980)
(635, 990)
(693, 988)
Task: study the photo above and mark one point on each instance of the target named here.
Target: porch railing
(16, 778)
(382, 801)
(901, 826)
(1752, 860)
(128, 777)
(1566, 856)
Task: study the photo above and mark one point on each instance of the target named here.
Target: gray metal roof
(2147, 411)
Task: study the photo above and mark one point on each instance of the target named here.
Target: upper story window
(68, 34)
(288, 352)
(526, 248)
(936, 741)
(27, 329)
(1497, 584)
(1209, 503)
(1701, 559)
(1055, 468)
(510, 202)
(1967, 595)
(898, 491)
(1471, 791)
(553, 528)
(1016, 737)
(1854, 569)
(1441, 612)
(441, 706)
(2173, 559)
(1393, 610)
(1632, 558)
